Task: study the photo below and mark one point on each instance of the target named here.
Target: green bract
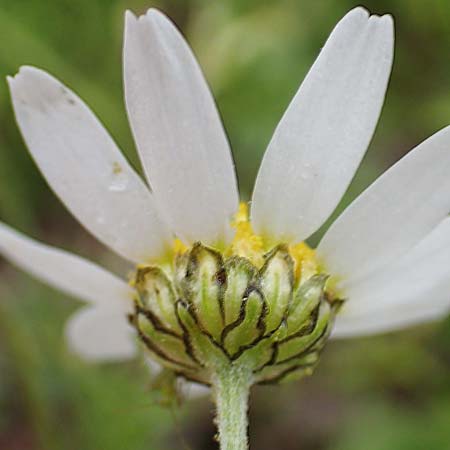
(208, 311)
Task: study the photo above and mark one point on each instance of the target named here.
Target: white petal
(189, 389)
(326, 129)
(413, 289)
(153, 366)
(386, 321)
(84, 166)
(177, 130)
(394, 213)
(192, 390)
(101, 334)
(421, 269)
(63, 270)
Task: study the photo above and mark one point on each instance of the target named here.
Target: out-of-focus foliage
(388, 392)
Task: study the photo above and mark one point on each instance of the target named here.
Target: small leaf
(167, 347)
(297, 345)
(303, 310)
(277, 283)
(199, 343)
(280, 373)
(240, 273)
(250, 324)
(203, 286)
(156, 294)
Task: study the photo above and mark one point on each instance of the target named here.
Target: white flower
(389, 250)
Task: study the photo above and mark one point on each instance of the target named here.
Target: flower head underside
(261, 305)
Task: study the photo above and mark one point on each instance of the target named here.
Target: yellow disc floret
(305, 261)
(246, 243)
(179, 247)
(257, 304)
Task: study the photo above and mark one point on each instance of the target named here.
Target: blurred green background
(388, 392)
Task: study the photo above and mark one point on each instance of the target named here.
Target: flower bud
(207, 309)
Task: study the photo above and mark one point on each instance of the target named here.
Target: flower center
(255, 304)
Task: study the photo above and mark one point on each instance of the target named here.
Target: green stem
(231, 388)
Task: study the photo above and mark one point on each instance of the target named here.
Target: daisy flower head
(221, 287)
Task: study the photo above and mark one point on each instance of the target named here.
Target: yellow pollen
(305, 263)
(117, 168)
(252, 246)
(179, 247)
(246, 243)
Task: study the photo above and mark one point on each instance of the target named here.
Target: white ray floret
(65, 271)
(420, 310)
(177, 130)
(101, 334)
(393, 214)
(403, 305)
(411, 290)
(84, 167)
(99, 331)
(419, 271)
(326, 129)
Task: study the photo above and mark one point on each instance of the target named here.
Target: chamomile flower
(216, 284)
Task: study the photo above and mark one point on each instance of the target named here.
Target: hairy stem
(231, 388)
